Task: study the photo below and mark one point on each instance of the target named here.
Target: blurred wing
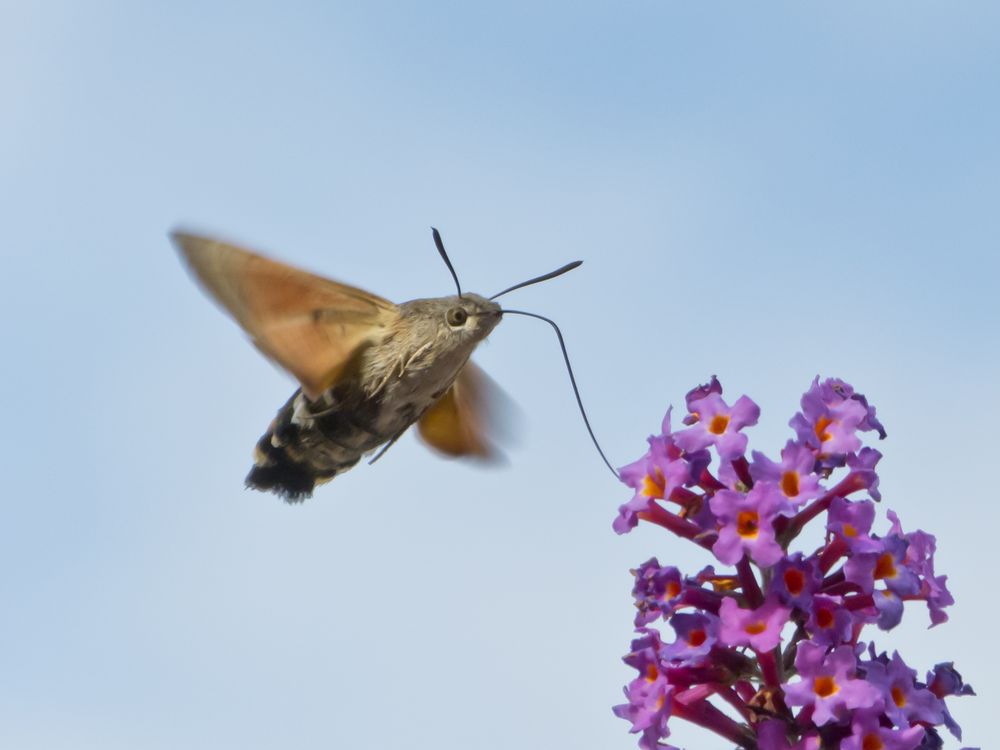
(309, 325)
(466, 420)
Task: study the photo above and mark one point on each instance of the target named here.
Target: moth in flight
(367, 368)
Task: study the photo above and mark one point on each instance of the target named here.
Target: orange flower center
(821, 424)
(825, 686)
(756, 628)
(795, 581)
(696, 637)
(724, 583)
(718, 424)
(790, 483)
(652, 673)
(824, 618)
(898, 696)
(653, 486)
(672, 590)
(885, 567)
(747, 524)
(872, 742)
(849, 530)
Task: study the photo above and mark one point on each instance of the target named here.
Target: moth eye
(456, 317)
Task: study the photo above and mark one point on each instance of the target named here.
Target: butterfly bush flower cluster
(772, 648)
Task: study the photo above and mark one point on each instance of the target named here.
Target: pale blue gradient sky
(765, 193)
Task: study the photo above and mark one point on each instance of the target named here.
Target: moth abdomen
(309, 443)
(291, 481)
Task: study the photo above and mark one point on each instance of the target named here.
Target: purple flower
(906, 703)
(868, 734)
(852, 522)
(890, 608)
(727, 668)
(656, 590)
(829, 624)
(653, 477)
(794, 475)
(719, 425)
(866, 460)
(795, 580)
(697, 633)
(944, 681)
(648, 709)
(835, 388)
(829, 422)
(758, 628)
(828, 683)
(748, 524)
(888, 565)
(656, 473)
(936, 594)
(920, 559)
(649, 695)
(698, 393)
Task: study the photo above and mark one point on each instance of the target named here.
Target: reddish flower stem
(742, 469)
(703, 599)
(769, 668)
(804, 718)
(746, 690)
(836, 549)
(708, 482)
(780, 524)
(676, 524)
(733, 699)
(839, 589)
(832, 580)
(695, 694)
(748, 582)
(859, 601)
(684, 496)
(705, 715)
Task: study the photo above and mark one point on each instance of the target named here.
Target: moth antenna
(569, 368)
(444, 256)
(544, 277)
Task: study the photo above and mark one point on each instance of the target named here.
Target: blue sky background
(764, 192)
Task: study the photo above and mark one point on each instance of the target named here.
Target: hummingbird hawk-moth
(367, 368)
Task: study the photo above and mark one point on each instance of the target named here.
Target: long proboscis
(569, 367)
(543, 277)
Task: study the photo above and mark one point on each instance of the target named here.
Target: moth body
(367, 368)
(389, 385)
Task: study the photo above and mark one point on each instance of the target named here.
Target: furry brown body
(389, 385)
